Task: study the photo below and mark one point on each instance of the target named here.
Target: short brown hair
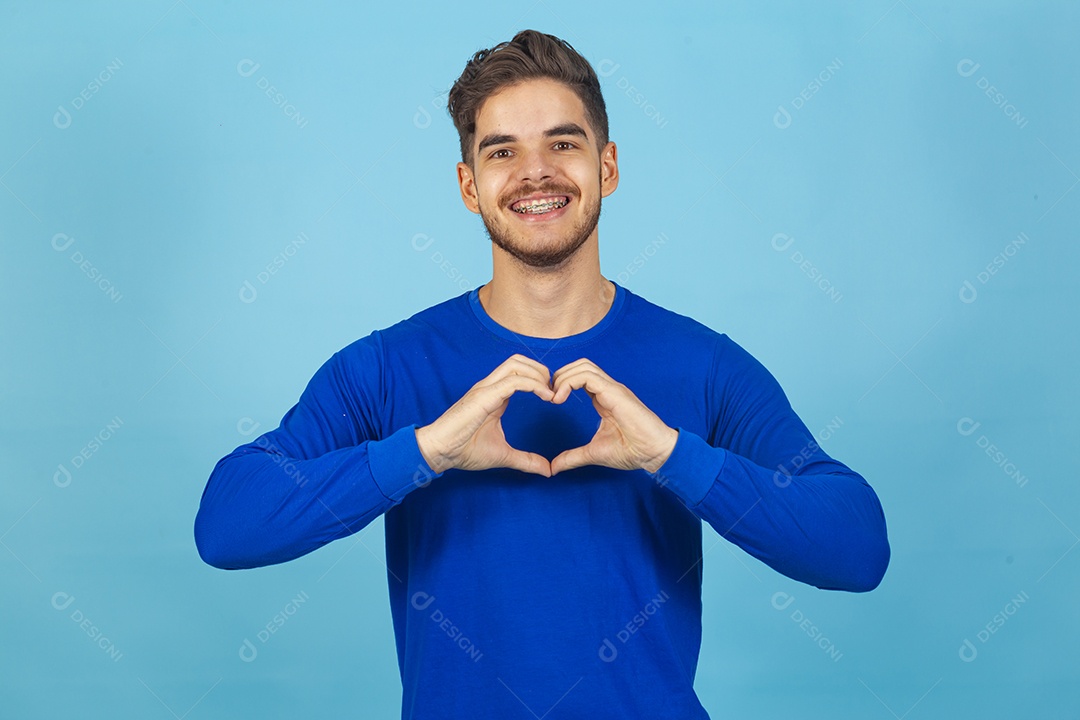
(529, 55)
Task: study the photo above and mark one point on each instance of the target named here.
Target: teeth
(537, 207)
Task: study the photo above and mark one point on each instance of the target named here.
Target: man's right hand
(469, 435)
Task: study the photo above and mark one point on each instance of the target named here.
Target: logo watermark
(781, 242)
(422, 601)
(968, 651)
(422, 118)
(247, 426)
(968, 292)
(248, 652)
(782, 601)
(608, 651)
(247, 67)
(783, 119)
(966, 427)
(62, 118)
(286, 463)
(782, 476)
(248, 292)
(421, 242)
(641, 258)
(62, 476)
(606, 68)
(61, 242)
(967, 67)
(62, 601)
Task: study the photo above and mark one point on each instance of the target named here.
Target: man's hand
(630, 435)
(469, 436)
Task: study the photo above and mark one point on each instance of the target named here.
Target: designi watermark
(967, 427)
(62, 118)
(247, 67)
(62, 601)
(782, 119)
(62, 476)
(782, 601)
(968, 67)
(248, 651)
(608, 651)
(422, 601)
(62, 241)
(968, 650)
(968, 292)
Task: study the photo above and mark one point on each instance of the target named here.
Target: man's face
(537, 176)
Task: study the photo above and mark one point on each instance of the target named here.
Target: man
(545, 447)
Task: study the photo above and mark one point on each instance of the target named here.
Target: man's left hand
(630, 436)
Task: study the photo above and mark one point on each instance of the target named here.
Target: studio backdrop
(202, 202)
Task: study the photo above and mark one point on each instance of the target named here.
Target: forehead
(529, 108)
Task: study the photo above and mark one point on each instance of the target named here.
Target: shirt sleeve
(322, 474)
(763, 482)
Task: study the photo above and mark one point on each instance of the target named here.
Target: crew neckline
(548, 343)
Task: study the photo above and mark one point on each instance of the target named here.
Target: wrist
(435, 459)
(657, 460)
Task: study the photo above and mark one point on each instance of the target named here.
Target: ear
(609, 170)
(467, 185)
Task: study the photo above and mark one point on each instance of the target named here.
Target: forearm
(261, 507)
(824, 529)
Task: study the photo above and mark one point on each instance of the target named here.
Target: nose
(535, 165)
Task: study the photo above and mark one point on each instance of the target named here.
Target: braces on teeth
(541, 206)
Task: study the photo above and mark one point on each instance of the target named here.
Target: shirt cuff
(692, 468)
(397, 465)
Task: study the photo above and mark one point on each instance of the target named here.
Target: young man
(545, 447)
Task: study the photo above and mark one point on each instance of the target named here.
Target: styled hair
(529, 55)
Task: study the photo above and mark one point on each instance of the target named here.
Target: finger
(570, 459)
(493, 397)
(501, 374)
(575, 365)
(528, 462)
(563, 382)
(487, 404)
(513, 383)
(594, 383)
(519, 364)
(498, 412)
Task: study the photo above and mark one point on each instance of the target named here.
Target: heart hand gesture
(630, 435)
(469, 435)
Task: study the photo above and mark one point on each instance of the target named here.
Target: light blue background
(179, 180)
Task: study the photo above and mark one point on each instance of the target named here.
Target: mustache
(545, 189)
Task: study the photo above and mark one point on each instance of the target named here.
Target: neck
(548, 303)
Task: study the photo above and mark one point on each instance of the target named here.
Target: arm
(319, 476)
(763, 483)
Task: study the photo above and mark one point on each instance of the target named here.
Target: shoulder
(444, 316)
(448, 312)
(664, 325)
(680, 331)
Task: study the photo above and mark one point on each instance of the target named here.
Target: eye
(497, 155)
(567, 143)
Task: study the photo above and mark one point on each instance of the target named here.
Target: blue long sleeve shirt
(514, 595)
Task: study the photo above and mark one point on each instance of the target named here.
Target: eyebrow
(564, 129)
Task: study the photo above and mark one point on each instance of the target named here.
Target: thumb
(529, 462)
(570, 459)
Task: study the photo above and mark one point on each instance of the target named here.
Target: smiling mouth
(540, 206)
